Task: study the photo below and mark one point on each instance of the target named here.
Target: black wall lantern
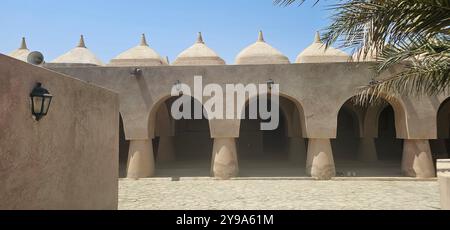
(136, 72)
(40, 101)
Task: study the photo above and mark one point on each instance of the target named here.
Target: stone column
(165, 130)
(166, 149)
(297, 150)
(367, 151)
(224, 160)
(417, 160)
(320, 162)
(141, 163)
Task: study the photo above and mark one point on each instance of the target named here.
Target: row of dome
(198, 54)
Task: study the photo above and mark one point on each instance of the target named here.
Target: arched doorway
(183, 148)
(389, 148)
(345, 146)
(366, 144)
(268, 153)
(440, 146)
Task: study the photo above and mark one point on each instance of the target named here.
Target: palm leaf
(413, 34)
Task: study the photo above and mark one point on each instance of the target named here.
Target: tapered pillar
(367, 151)
(417, 160)
(297, 150)
(141, 163)
(224, 160)
(320, 162)
(166, 149)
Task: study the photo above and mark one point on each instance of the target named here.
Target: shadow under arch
(374, 110)
(349, 131)
(297, 120)
(182, 148)
(367, 142)
(443, 119)
(267, 153)
(440, 146)
(124, 146)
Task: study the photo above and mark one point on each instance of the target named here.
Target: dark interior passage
(348, 147)
(345, 146)
(440, 147)
(265, 152)
(389, 148)
(257, 144)
(123, 150)
(192, 144)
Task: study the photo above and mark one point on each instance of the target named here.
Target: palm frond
(413, 34)
(430, 76)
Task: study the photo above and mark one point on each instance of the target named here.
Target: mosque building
(322, 132)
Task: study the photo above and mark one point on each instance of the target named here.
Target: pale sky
(113, 26)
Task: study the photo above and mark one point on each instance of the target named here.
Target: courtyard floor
(199, 193)
(278, 168)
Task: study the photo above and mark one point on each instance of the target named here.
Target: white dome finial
(22, 52)
(200, 38)
(140, 55)
(198, 54)
(79, 55)
(261, 36)
(261, 53)
(317, 52)
(317, 38)
(23, 46)
(82, 44)
(143, 40)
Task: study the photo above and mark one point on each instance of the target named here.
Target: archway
(440, 146)
(182, 147)
(345, 146)
(269, 153)
(366, 144)
(389, 148)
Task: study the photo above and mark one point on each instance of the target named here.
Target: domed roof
(318, 53)
(79, 55)
(261, 53)
(141, 55)
(22, 52)
(198, 54)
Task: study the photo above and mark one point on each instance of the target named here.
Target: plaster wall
(67, 160)
(319, 90)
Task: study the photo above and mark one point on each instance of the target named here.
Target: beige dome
(318, 53)
(79, 55)
(141, 55)
(261, 53)
(22, 52)
(198, 54)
